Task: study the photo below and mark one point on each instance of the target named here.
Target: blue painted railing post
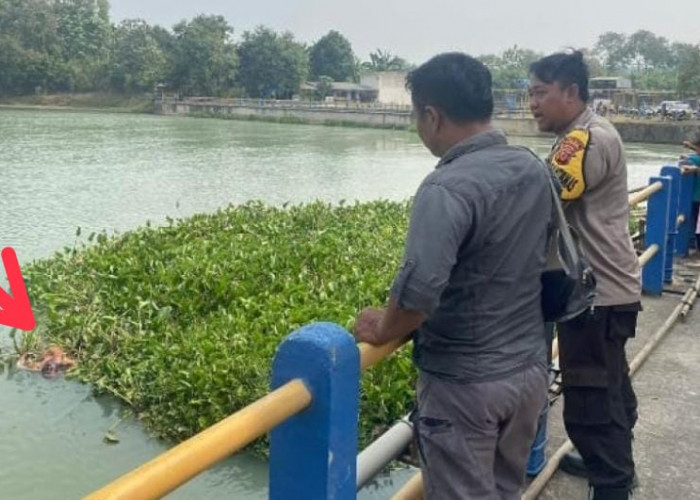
(314, 454)
(675, 174)
(657, 234)
(685, 208)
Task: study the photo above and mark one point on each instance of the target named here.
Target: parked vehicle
(675, 110)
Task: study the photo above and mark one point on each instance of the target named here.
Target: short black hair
(565, 69)
(457, 84)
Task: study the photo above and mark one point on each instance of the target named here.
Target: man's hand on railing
(367, 325)
(380, 326)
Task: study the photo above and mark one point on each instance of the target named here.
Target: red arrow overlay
(15, 310)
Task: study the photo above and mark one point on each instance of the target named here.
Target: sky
(419, 29)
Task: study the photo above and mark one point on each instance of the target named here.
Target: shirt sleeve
(604, 151)
(440, 221)
(694, 159)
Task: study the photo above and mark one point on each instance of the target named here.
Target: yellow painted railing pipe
(181, 463)
(412, 490)
(648, 254)
(178, 465)
(645, 193)
(371, 355)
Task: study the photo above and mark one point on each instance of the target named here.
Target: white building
(390, 85)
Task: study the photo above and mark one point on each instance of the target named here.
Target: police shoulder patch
(567, 160)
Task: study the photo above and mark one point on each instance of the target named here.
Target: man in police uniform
(600, 407)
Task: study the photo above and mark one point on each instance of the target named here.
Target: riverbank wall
(398, 117)
(89, 101)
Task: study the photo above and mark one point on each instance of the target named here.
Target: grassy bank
(182, 322)
(142, 103)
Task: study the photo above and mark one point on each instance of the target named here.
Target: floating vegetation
(182, 322)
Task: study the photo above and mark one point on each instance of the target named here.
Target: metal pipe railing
(413, 489)
(648, 254)
(389, 446)
(381, 452)
(168, 471)
(645, 193)
(178, 465)
(371, 355)
(688, 305)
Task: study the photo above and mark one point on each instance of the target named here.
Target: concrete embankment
(631, 131)
(289, 112)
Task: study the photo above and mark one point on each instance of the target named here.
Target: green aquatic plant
(182, 322)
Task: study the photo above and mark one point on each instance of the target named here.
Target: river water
(64, 170)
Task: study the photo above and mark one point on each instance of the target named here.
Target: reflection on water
(53, 445)
(60, 171)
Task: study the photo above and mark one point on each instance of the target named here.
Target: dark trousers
(600, 407)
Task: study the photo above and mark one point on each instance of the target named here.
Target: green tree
(385, 61)
(85, 35)
(30, 49)
(648, 51)
(655, 79)
(139, 61)
(332, 56)
(166, 42)
(205, 59)
(83, 27)
(324, 87)
(595, 67)
(515, 67)
(510, 69)
(688, 57)
(651, 65)
(272, 65)
(613, 51)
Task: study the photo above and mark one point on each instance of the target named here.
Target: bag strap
(560, 219)
(562, 224)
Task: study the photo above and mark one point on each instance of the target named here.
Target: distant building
(609, 83)
(343, 91)
(390, 85)
(607, 92)
(387, 87)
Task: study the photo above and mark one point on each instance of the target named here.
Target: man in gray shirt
(469, 289)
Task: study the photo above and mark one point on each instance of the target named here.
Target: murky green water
(60, 171)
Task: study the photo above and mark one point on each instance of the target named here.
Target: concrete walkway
(667, 435)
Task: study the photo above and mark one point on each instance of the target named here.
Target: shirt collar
(581, 120)
(474, 143)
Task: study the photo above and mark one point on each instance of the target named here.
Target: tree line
(72, 46)
(652, 62)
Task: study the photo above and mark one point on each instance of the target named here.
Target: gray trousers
(474, 439)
